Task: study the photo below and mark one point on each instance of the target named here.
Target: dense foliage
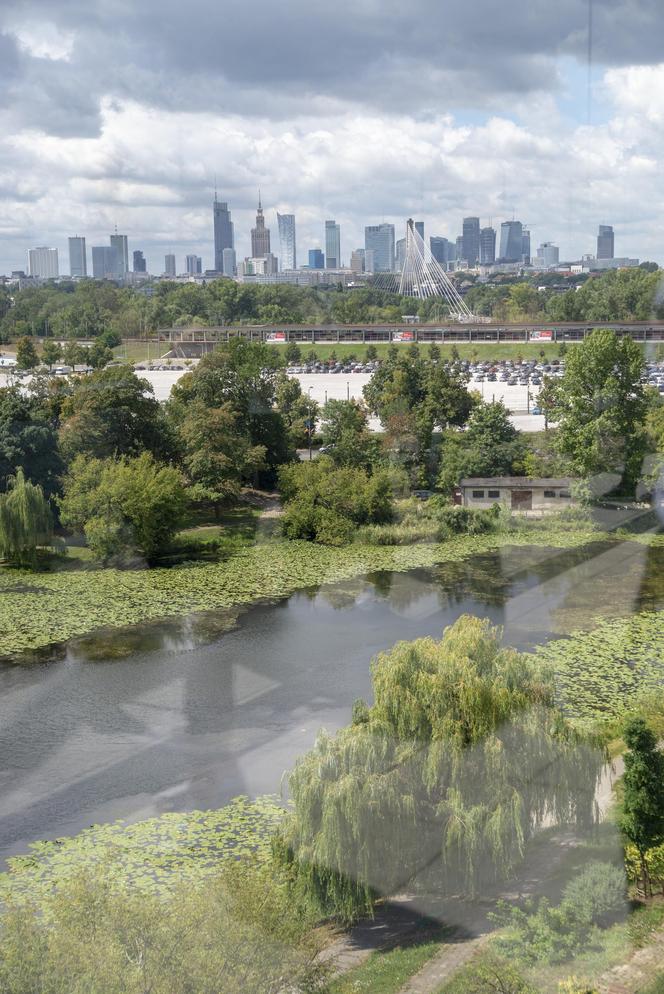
(240, 931)
(25, 521)
(440, 781)
(642, 809)
(126, 507)
(90, 309)
(600, 405)
(323, 502)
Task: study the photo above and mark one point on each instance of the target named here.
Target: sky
(124, 113)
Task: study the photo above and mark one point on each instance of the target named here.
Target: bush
(124, 506)
(325, 503)
(468, 521)
(599, 892)
(574, 986)
(542, 934)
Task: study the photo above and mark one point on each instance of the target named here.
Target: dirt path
(644, 966)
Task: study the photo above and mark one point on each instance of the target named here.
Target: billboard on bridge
(276, 337)
(403, 336)
(541, 336)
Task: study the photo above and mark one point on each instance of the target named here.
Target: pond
(189, 713)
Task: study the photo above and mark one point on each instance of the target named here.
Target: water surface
(189, 713)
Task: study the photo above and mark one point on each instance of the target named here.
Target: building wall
(541, 501)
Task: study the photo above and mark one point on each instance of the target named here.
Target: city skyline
(509, 243)
(514, 134)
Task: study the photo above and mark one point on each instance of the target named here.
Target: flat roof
(524, 482)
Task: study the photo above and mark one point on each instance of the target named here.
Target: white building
(518, 493)
(43, 262)
(287, 251)
(548, 256)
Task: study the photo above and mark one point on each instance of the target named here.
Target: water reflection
(187, 713)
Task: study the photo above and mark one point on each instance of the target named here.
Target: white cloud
(150, 171)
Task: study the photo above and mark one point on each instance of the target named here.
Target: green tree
(642, 813)
(51, 352)
(125, 507)
(298, 410)
(25, 522)
(324, 503)
(343, 430)
(26, 353)
(292, 353)
(28, 439)
(217, 453)
(601, 406)
(243, 930)
(113, 412)
(443, 780)
(245, 375)
(491, 446)
(371, 353)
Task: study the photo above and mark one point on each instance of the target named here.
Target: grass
(386, 971)
(134, 350)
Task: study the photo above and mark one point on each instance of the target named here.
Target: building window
(478, 494)
(565, 493)
(550, 493)
(494, 494)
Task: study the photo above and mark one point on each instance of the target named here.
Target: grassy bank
(37, 609)
(134, 350)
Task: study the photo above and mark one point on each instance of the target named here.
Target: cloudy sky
(122, 113)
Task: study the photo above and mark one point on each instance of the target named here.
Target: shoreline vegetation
(41, 609)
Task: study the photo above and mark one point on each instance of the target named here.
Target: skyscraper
(223, 232)
(471, 240)
(487, 246)
(419, 228)
(400, 254)
(78, 263)
(439, 249)
(193, 265)
(379, 239)
(316, 259)
(511, 241)
(140, 265)
(169, 265)
(287, 250)
(525, 247)
(369, 262)
(229, 262)
(119, 242)
(332, 245)
(106, 262)
(260, 235)
(605, 242)
(43, 262)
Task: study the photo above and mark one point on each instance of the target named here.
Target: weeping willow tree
(442, 782)
(25, 521)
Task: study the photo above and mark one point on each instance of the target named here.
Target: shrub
(467, 521)
(599, 892)
(542, 934)
(325, 503)
(574, 986)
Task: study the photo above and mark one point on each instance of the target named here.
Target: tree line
(90, 309)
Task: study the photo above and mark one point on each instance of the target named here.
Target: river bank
(40, 609)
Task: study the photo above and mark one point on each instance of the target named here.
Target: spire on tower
(260, 206)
